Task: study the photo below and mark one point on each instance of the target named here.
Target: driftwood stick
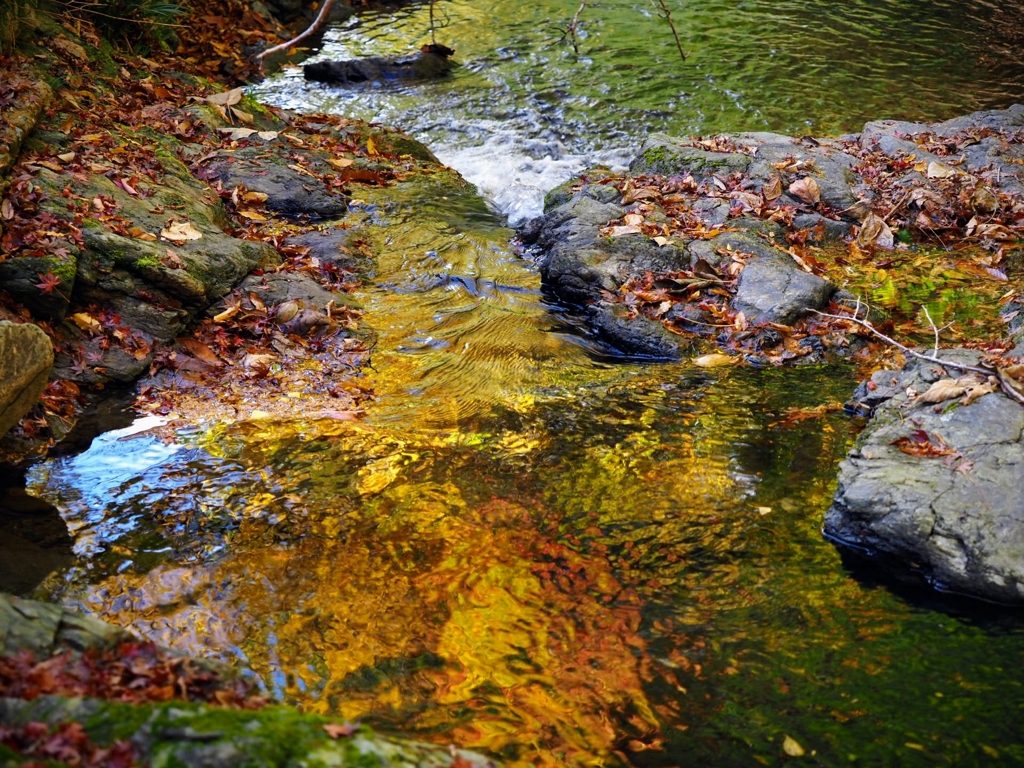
(317, 23)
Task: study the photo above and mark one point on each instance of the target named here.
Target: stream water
(531, 547)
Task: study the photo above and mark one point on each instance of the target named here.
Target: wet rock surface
(424, 65)
(739, 202)
(957, 516)
(26, 357)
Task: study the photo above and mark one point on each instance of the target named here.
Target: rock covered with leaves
(935, 477)
(741, 239)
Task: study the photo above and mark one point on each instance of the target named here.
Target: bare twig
(317, 23)
(570, 31)
(1004, 382)
(666, 14)
(935, 349)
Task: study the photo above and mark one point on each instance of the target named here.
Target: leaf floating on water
(716, 360)
(806, 189)
(874, 231)
(792, 747)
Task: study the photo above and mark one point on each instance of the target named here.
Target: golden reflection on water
(559, 561)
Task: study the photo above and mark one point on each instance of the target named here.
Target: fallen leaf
(227, 314)
(371, 147)
(772, 189)
(806, 189)
(252, 215)
(874, 231)
(86, 322)
(67, 157)
(716, 360)
(940, 171)
(202, 352)
(942, 390)
(792, 747)
(6, 210)
(268, 135)
(920, 443)
(977, 390)
(180, 232)
(227, 98)
(237, 134)
(340, 162)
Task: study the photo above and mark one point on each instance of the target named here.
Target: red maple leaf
(48, 283)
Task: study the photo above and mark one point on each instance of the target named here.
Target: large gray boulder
(959, 517)
(26, 357)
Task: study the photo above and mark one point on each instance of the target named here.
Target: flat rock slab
(958, 517)
(45, 629)
(26, 357)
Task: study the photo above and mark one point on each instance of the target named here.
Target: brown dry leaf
(340, 162)
(806, 189)
(226, 99)
(979, 389)
(942, 390)
(772, 189)
(180, 232)
(632, 219)
(874, 231)
(6, 210)
(983, 201)
(920, 443)
(86, 322)
(716, 360)
(245, 117)
(268, 135)
(252, 360)
(202, 352)
(67, 157)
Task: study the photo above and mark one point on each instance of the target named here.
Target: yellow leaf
(252, 215)
(940, 171)
(227, 314)
(340, 162)
(86, 322)
(716, 360)
(371, 147)
(792, 747)
(67, 157)
(255, 197)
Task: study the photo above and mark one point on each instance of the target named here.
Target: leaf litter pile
(120, 124)
(943, 240)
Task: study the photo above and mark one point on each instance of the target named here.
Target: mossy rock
(183, 735)
(666, 156)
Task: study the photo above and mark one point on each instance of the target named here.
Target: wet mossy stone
(773, 289)
(288, 191)
(21, 276)
(667, 156)
(26, 357)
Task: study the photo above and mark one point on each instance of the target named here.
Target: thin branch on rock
(317, 23)
(1004, 382)
(666, 14)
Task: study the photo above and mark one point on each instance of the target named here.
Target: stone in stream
(959, 517)
(431, 63)
(26, 357)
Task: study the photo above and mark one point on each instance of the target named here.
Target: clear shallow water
(528, 547)
(537, 552)
(524, 112)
